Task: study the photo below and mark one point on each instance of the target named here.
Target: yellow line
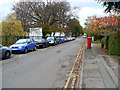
(73, 82)
(72, 70)
(79, 53)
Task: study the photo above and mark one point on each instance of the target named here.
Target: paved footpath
(99, 69)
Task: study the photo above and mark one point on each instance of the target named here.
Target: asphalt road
(44, 68)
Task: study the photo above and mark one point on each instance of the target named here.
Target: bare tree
(54, 13)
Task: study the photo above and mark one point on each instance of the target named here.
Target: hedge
(104, 42)
(114, 44)
(98, 37)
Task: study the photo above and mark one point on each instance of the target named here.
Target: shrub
(104, 42)
(98, 37)
(114, 44)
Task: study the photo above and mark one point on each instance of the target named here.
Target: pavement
(99, 69)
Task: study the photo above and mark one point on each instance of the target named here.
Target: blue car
(62, 39)
(23, 45)
(5, 52)
(59, 40)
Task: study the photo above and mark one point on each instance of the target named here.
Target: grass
(98, 42)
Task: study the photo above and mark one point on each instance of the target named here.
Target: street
(44, 68)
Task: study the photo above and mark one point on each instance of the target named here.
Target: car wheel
(26, 50)
(7, 54)
(35, 48)
(54, 44)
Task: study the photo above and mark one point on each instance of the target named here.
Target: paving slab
(99, 69)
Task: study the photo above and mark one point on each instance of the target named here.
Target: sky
(85, 8)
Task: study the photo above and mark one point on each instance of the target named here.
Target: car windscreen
(21, 41)
(38, 40)
(50, 38)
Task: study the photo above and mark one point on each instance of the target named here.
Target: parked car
(41, 43)
(52, 40)
(59, 41)
(69, 38)
(23, 45)
(73, 38)
(65, 39)
(5, 52)
(84, 36)
(62, 39)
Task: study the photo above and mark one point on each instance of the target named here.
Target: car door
(29, 45)
(32, 43)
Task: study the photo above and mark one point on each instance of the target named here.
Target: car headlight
(20, 47)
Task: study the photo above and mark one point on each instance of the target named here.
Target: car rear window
(38, 40)
(50, 38)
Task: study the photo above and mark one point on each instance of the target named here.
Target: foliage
(74, 27)
(12, 27)
(50, 15)
(111, 5)
(98, 42)
(104, 42)
(9, 40)
(102, 25)
(114, 44)
(98, 37)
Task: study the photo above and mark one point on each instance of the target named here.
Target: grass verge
(98, 42)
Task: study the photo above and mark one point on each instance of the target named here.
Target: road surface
(44, 68)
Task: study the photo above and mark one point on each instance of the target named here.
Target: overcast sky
(86, 8)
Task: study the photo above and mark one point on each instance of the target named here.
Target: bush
(9, 40)
(114, 44)
(98, 37)
(104, 42)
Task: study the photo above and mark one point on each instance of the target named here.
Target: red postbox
(88, 42)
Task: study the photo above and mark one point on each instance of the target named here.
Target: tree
(114, 5)
(74, 27)
(50, 14)
(12, 27)
(103, 25)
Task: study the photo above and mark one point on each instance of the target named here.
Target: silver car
(5, 52)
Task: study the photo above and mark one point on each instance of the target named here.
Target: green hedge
(98, 37)
(9, 40)
(104, 42)
(114, 44)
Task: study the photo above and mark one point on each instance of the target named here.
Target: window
(21, 41)
(29, 41)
